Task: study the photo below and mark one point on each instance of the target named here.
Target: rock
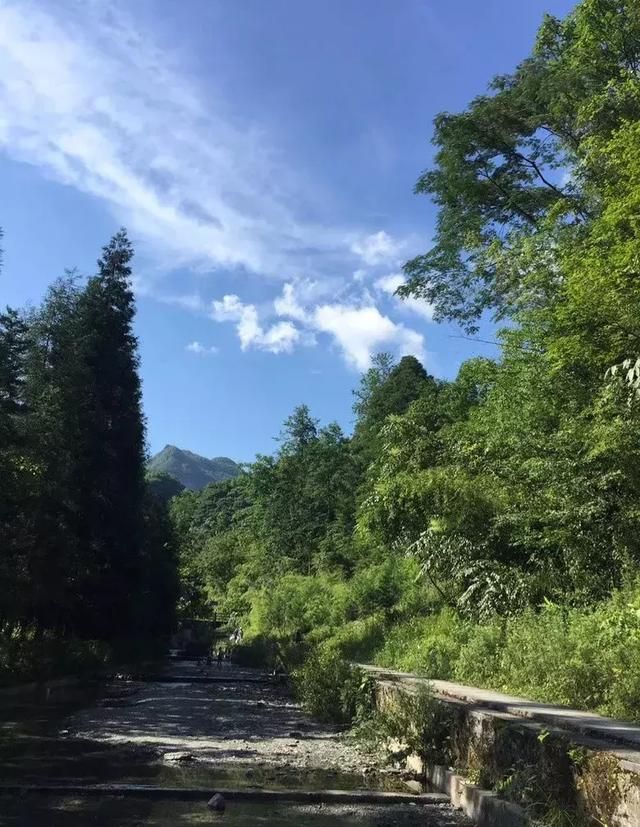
(217, 803)
(414, 786)
(295, 734)
(181, 757)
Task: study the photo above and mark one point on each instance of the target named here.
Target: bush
(332, 689)
(421, 723)
(297, 604)
(360, 639)
(586, 658)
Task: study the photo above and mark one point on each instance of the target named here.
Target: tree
(111, 470)
(163, 486)
(512, 179)
(15, 465)
(381, 366)
(392, 394)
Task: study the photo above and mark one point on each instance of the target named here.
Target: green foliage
(332, 689)
(163, 486)
(503, 202)
(86, 555)
(298, 604)
(28, 654)
(424, 645)
(484, 528)
(421, 724)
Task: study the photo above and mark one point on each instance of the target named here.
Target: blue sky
(262, 154)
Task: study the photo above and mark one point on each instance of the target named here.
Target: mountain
(192, 470)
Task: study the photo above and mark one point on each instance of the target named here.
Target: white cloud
(200, 349)
(389, 284)
(376, 248)
(362, 331)
(357, 326)
(288, 305)
(279, 338)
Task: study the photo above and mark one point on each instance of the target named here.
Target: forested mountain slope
(192, 470)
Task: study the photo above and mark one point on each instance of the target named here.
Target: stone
(414, 786)
(295, 734)
(217, 803)
(180, 757)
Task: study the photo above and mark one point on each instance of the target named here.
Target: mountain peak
(192, 470)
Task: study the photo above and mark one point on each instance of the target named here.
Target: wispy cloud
(389, 284)
(362, 331)
(201, 350)
(86, 96)
(376, 247)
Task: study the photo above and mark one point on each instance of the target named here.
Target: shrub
(332, 689)
(421, 723)
(27, 654)
(297, 604)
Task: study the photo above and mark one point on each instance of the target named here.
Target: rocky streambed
(192, 726)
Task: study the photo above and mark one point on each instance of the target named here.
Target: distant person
(220, 657)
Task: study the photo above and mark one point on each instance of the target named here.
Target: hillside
(192, 470)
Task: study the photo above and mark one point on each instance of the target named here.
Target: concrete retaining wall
(536, 768)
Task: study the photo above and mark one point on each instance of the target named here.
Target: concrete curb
(248, 794)
(483, 807)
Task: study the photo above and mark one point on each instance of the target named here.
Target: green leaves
(516, 166)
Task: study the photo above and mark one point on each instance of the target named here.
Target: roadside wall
(492, 758)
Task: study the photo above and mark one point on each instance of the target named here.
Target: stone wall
(544, 770)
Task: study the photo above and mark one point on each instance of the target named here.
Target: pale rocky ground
(223, 735)
(226, 723)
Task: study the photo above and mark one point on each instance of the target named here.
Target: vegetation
(88, 554)
(485, 528)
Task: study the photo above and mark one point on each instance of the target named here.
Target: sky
(262, 155)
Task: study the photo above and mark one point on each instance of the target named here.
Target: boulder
(217, 803)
